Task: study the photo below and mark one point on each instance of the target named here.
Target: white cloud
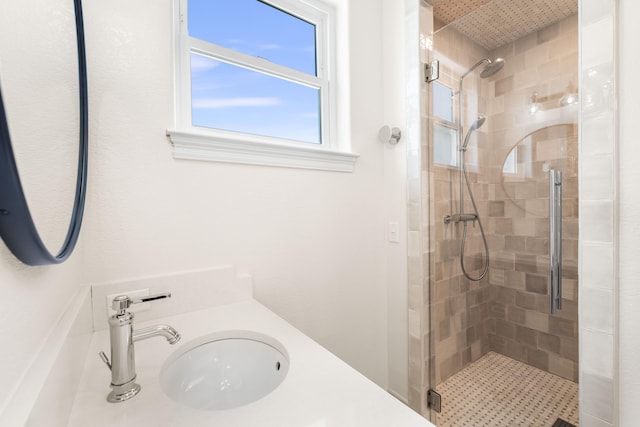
(212, 103)
(200, 63)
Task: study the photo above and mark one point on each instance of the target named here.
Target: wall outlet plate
(135, 308)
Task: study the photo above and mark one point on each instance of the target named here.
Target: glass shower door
(532, 235)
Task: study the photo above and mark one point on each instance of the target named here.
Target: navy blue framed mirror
(17, 227)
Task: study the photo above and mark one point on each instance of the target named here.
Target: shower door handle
(555, 240)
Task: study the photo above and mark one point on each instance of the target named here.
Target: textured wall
(544, 63)
(460, 306)
(37, 102)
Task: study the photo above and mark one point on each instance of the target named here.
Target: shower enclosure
(501, 281)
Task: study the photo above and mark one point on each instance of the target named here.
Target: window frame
(447, 124)
(453, 146)
(200, 143)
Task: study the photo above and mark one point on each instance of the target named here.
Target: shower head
(489, 70)
(474, 126)
(477, 124)
(492, 67)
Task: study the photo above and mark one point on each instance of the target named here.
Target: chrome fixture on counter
(123, 361)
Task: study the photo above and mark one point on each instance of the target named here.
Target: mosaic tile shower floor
(498, 391)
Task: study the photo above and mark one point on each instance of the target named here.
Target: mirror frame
(16, 223)
(514, 147)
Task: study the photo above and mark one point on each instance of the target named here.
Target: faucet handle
(105, 359)
(151, 298)
(122, 302)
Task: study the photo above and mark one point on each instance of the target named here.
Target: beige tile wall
(519, 324)
(506, 312)
(460, 307)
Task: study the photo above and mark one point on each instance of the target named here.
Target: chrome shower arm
(476, 65)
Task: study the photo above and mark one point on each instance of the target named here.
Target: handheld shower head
(477, 124)
(474, 126)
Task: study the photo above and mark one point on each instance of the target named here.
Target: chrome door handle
(555, 240)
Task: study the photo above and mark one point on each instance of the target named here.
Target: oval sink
(225, 370)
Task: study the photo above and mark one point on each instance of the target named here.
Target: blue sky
(228, 97)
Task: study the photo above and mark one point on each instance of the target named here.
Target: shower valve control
(463, 217)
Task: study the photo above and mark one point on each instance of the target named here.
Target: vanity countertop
(320, 390)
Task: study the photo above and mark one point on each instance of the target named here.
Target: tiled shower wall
(460, 307)
(598, 214)
(542, 66)
(507, 311)
(418, 28)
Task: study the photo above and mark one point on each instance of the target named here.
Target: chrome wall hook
(390, 135)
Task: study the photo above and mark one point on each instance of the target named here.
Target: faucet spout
(123, 360)
(166, 331)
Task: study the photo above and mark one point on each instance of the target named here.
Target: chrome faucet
(123, 361)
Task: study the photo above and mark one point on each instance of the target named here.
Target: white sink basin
(225, 370)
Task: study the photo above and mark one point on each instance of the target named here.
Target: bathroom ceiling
(493, 23)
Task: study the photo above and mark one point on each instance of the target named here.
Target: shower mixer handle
(461, 217)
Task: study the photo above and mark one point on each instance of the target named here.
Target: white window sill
(195, 145)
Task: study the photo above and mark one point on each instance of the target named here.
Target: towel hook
(390, 135)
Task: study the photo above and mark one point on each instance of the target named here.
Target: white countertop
(320, 390)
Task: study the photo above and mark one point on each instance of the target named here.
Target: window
(254, 83)
(442, 101)
(445, 131)
(445, 143)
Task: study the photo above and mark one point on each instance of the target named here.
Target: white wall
(33, 298)
(629, 228)
(313, 241)
(394, 70)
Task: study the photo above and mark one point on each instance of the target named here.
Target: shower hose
(464, 231)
